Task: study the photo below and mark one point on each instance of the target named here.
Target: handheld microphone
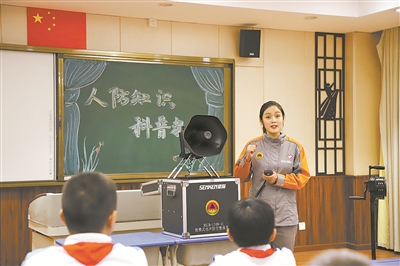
(266, 172)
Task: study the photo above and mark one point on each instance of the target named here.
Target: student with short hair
(89, 210)
(251, 224)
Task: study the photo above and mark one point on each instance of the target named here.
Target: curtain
(77, 74)
(389, 53)
(211, 81)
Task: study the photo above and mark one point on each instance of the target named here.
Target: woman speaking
(278, 166)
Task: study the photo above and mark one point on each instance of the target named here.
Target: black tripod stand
(377, 188)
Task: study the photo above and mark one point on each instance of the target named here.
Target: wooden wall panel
(15, 238)
(332, 220)
(359, 214)
(322, 206)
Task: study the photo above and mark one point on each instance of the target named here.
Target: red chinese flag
(56, 28)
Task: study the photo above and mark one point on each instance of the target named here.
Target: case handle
(171, 190)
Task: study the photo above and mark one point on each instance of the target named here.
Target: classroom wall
(362, 96)
(285, 73)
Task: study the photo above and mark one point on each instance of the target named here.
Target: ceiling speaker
(204, 135)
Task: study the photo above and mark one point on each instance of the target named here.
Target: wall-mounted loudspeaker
(249, 43)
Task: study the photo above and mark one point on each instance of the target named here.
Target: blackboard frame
(227, 67)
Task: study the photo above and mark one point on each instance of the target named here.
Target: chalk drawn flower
(90, 163)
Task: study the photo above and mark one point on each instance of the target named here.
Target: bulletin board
(27, 116)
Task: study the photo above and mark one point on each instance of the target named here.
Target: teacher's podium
(135, 213)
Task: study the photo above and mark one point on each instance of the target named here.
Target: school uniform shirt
(86, 249)
(287, 158)
(257, 255)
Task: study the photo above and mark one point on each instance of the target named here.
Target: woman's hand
(271, 178)
(251, 149)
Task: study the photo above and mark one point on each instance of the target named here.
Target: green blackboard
(122, 116)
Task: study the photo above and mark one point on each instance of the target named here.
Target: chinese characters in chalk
(142, 124)
(123, 97)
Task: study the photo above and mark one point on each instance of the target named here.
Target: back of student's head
(342, 257)
(88, 199)
(251, 222)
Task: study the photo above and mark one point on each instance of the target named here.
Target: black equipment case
(197, 207)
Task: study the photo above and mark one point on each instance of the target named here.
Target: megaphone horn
(204, 135)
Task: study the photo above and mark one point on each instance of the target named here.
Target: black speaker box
(249, 43)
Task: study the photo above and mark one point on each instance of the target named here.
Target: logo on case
(212, 207)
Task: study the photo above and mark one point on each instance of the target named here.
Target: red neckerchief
(89, 253)
(258, 253)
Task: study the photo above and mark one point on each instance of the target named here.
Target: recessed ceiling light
(165, 4)
(310, 17)
(248, 25)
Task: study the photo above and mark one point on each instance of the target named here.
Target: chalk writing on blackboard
(133, 113)
(123, 98)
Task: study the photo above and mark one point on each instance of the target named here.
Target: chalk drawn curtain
(77, 74)
(211, 81)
